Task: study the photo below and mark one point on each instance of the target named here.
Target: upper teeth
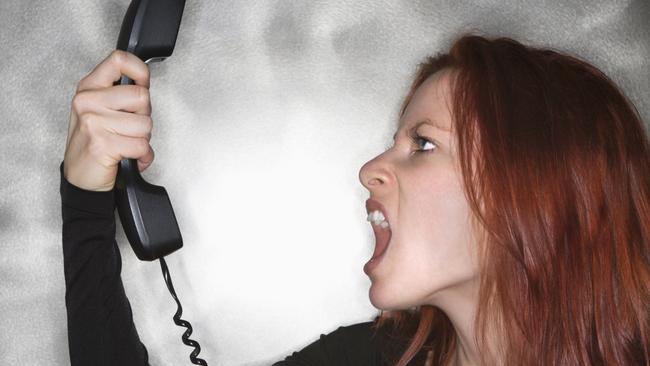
(377, 217)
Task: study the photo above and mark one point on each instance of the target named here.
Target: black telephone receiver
(149, 31)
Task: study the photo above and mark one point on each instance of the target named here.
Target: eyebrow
(429, 122)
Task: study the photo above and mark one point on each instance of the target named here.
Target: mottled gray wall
(263, 117)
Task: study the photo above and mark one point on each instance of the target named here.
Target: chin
(383, 299)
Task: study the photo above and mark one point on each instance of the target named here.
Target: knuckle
(143, 146)
(146, 72)
(87, 120)
(148, 123)
(79, 102)
(118, 57)
(142, 93)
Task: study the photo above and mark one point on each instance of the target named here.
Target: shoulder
(354, 330)
(351, 337)
(351, 344)
(355, 344)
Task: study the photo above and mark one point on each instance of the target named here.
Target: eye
(417, 139)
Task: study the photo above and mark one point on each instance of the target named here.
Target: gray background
(262, 119)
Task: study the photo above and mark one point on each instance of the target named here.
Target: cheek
(440, 244)
(440, 212)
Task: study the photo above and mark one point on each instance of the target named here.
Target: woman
(517, 201)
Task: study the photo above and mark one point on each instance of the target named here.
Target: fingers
(126, 135)
(145, 161)
(117, 123)
(123, 147)
(134, 148)
(128, 98)
(109, 123)
(129, 124)
(118, 63)
(120, 147)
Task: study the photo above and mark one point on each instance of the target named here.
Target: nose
(375, 174)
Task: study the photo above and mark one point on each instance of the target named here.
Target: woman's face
(430, 256)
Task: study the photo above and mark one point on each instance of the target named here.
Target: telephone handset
(149, 31)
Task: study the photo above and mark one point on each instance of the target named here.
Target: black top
(100, 321)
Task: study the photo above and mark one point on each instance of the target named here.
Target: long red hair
(556, 169)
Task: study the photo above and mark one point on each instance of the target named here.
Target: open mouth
(381, 227)
(382, 238)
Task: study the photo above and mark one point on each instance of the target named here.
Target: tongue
(383, 237)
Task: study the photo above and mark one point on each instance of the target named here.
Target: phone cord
(180, 322)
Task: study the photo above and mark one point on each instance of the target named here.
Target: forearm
(100, 321)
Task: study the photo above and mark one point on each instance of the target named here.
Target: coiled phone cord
(180, 322)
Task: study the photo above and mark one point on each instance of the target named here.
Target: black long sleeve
(100, 321)
(348, 345)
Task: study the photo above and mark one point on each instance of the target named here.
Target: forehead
(431, 101)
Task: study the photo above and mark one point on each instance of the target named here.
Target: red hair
(556, 169)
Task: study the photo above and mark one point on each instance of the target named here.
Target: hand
(109, 123)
